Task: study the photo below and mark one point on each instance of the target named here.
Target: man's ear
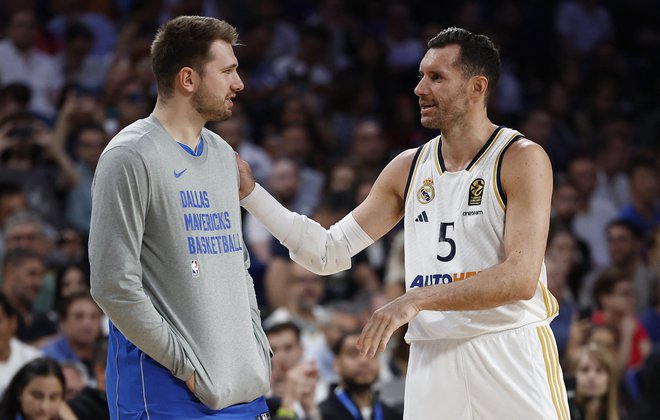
(187, 80)
(479, 85)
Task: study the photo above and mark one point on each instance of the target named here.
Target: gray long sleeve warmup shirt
(168, 262)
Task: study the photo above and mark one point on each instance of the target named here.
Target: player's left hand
(384, 322)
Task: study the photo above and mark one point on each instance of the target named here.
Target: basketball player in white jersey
(476, 206)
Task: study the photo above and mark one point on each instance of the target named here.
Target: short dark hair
(17, 256)
(478, 55)
(606, 283)
(185, 42)
(278, 327)
(336, 349)
(628, 225)
(64, 306)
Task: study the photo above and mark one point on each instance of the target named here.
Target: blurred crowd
(328, 101)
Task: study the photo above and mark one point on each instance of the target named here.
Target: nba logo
(194, 267)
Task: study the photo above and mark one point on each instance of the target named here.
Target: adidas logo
(422, 217)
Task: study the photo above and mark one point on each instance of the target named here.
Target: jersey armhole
(498, 170)
(413, 165)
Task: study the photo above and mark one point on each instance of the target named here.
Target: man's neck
(462, 141)
(182, 122)
(362, 398)
(5, 352)
(83, 351)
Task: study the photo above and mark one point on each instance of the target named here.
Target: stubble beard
(210, 107)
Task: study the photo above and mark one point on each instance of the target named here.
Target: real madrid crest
(426, 193)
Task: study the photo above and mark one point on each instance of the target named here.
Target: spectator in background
(355, 397)
(14, 98)
(582, 25)
(304, 292)
(76, 378)
(369, 151)
(624, 243)
(36, 392)
(23, 272)
(593, 214)
(12, 200)
(88, 142)
(615, 300)
(651, 318)
(92, 402)
(80, 331)
(27, 230)
(77, 63)
(596, 385)
(560, 258)
(23, 62)
(284, 184)
(644, 208)
(612, 158)
(234, 132)
(13, 352)
(293, 381)
(562, 213)
(131, 103)
(32, 158)
(648, 405)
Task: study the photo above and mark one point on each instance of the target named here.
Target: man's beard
(353, 387)
(211, 108)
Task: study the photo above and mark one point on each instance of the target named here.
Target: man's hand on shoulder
(247, 179)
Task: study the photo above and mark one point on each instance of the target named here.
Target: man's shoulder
(26, 351)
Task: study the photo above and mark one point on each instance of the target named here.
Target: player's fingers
(366, 339)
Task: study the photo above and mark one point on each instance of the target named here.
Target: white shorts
(508, 375)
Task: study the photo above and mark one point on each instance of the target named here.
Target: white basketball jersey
(454, 228)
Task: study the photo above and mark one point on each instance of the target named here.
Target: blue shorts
(138, 387)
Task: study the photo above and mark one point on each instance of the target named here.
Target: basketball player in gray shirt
(169, 266)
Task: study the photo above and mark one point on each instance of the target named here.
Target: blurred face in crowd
(73, 280)
(565, 202)
(295, 143)
(287, 352)
(75, 382)
(133, 103)
(89, 146)
(82, 324)
(369, 146)
(591, 377)
(25, 235)
(308, 287)
(22, 30)
(284, 180)
(23, 281)
(10, 204)
(644, 185)
(219, 84)
(622, 245)
(603, 337)
(582, 173)
(356, 372)
(622, 298)
(339, 324)
(41, 398)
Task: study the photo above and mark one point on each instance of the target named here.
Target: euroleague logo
(476, 192)
(426, 193)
